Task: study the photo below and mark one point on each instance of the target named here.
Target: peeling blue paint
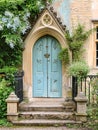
(63, 9)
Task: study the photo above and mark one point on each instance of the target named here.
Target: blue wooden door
(47, 70)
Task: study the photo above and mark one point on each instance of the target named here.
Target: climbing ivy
(64, 56)
(76, 40)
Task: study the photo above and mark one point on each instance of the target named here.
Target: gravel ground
(42, 128)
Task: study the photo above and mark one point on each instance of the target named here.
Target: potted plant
(78, 69)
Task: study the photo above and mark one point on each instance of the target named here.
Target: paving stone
(42, 128)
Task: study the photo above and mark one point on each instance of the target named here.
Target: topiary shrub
(78, 69)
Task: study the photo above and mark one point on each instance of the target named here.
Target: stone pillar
(69, 93)
(68, 104)
(12, 107)
(81, 101)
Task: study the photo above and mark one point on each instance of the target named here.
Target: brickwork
(94, 9)
(81, 12)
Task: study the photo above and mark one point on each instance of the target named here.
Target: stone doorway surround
(47, 24)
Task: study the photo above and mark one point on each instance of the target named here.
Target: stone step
(41, 108)
(54, 108)
(48, 105)
(47, 115)
(45, 100)
(44, 122)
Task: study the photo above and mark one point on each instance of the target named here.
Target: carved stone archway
(47, 24)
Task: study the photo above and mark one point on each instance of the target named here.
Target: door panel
(54, 70)
(46, 68)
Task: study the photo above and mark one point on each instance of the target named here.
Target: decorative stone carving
(47, 24)
(46, 20)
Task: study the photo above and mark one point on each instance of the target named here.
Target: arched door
(47, 68)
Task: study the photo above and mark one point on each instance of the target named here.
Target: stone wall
(80, 12)
(62, 7)
(94, 9)
(83, 12)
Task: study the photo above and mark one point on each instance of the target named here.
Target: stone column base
(81, 117)
(12, 117)
(69, 105)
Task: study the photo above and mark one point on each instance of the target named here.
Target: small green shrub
(9, 74)
(5, 90)
(92, 122)
(5, 123)
(78, 69)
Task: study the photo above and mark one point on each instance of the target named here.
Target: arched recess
(27, 56)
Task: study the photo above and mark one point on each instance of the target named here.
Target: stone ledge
(80, 114)
(12, 114)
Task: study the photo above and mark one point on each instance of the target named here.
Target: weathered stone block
(81, 114)
(12, 107)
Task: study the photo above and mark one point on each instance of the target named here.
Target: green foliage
(78, 69)
(9, 56)
(7, 4)
(6, 87)
(15, 21)
(64, 56)
(92, 122)
(94, 84)
(76, 40)
(4, 122)
(9, 74)
(5, 90)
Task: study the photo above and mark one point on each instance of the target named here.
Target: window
(96, 33)
(96, 41)
(96, 53)
(95, 44)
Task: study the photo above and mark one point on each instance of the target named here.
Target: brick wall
(94, 9)
(83, 12)
(80, 12)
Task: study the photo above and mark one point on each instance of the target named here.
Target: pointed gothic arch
(41, 29)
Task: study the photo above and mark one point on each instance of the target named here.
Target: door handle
(47, 55)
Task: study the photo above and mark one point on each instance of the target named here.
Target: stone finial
(12, 98)
(47, 4)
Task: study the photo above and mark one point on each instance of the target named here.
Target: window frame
(95, 44)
